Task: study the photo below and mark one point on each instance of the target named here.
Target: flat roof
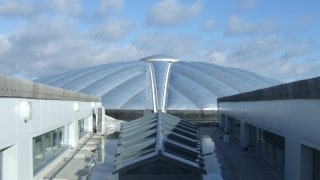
(19, 88)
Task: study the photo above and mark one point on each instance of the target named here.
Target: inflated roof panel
(160, 83)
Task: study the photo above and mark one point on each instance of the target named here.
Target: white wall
(297, 120)
(16, 134)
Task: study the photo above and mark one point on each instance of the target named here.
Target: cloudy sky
(275, 38)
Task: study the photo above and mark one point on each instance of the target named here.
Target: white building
(38, 123)
(280, 124)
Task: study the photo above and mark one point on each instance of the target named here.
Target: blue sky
(274, 38)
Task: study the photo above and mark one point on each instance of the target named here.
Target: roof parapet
(19, 88)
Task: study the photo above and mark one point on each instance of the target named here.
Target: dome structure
(159, 83)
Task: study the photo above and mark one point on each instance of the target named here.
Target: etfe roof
(160, 83)
(159, 136)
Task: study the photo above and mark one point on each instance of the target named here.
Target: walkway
(236, 164)
(103, 171)
(76, 163)
(228, 161)
(223, 160)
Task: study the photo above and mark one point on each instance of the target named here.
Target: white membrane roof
(160, 83)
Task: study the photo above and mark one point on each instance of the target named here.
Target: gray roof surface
(160, 83)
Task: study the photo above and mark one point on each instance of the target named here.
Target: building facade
(38, 123)
(281, 124)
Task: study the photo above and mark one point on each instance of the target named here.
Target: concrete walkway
(236, 164)
(77, 163)
(103, 171)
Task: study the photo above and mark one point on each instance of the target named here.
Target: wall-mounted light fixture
(25, 109)
(76, 107)
(93, 105)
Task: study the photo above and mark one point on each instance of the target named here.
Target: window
(253, 138)
(235, 127)
(81, 131)
(99, 119)
(310, 163)
(1, 164)
(47, 144)
(316, 164)
(270, 146)
(46, 147)
(37, 152)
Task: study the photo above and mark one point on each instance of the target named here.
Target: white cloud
(15, 9)
(303, 22)
(291, 70)
(246, 5)
(41, 46)
(209, 25)
(298, 50)
(176, 46)
(113, 30)
(218, 57)
(54, 38)
(272, 56)
(4, 43)
(45, 46)
(109, 6)
(69, 7)
(239, 26)
(173, 12)
(114, 53)
(20, 8)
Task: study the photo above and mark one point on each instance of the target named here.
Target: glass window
(99, 119)
(55, 140)
(279, 157)
(46, 147)
(81, 128)
(61, 142)
(37, 152)
(258, 138)
(316, 164)
(47, 144)
(271, 146)
(253, 136)
(235, 127)
(270, 150)
(1, 163)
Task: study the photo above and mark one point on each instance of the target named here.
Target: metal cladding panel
(190, 85)
(158, 136)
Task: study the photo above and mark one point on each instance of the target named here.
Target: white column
(306, 162)
(9, 163)
(292, 159)
(24, 149)
(72, 134)
(227, 124)
(222, 120)
(244, 134)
